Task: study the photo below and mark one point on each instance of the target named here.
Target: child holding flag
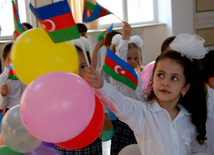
(11, 87)
(173, 120)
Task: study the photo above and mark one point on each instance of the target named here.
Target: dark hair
(6, 50)
(195, 99)
(87, 53)
(166, 43)
(208, 65)
(28, 25)
(109, 37)
(81, 27)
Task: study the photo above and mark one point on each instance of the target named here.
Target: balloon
(14, 133)
(5, 150)
(48, 144)
(44, 150)
(57, 106)
(132, 149)
(107, 135)
(1, 140)
(33, 54)
(146, 75)
(90, 133)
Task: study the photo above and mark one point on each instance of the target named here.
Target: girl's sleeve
(126, 109)
(122, 49)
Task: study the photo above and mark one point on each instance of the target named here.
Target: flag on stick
(93, 11)
(12, 75)
(17, 24)
(57, 20)
(120, 70)
(101, 36)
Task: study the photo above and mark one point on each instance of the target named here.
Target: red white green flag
(12, 75)
(93, 11)
(17, 24)
(57, 20)
(120, 70)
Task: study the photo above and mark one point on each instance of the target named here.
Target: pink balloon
(57, 106)
(146, 76)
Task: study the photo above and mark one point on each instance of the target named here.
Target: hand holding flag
(57, 20)
(120, 70)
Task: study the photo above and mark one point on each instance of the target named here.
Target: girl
(130, 51)
(173, 119)
(94, 148)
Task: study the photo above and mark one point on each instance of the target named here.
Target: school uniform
(15, 90)
(210, 121)
(153, 127)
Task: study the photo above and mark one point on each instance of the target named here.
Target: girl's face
(82, 64)
(7, 60)
(169, 81)
(132, 57)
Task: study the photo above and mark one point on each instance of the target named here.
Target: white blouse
(153, 127)
(210, 121)
(15, 90)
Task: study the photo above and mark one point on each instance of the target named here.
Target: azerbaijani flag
(17, 24)
(91, 11)
(101, 37)
(120, 70)
(57, 20)
(12, 75)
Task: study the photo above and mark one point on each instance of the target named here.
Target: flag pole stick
(118, 17)
(84, 52)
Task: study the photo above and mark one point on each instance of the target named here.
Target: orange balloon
(1, 141)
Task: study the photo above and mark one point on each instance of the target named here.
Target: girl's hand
(126, 31)
(4, 90)
(93, 77)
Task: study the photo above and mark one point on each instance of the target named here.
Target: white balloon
(132, 149)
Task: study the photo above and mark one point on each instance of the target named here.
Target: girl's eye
(128, 58)
(160, 75)
(136, 58)
(82, 66)
(174, 78)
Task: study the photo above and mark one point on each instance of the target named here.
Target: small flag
(101, 37)
(91, 11)
(17, 24)
(12, 75)
(120, 70)
(57, 20)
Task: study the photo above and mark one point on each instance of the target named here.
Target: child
(208, 73)
(11, 90)
(130, 51)
(82, 29)
(94, 148)
(173, 119)
(165, 44)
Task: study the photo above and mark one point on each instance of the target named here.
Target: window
(6, 16)
(133, 11)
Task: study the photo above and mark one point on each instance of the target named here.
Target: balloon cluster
(58, 107)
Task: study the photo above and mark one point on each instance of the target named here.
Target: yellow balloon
(34, 54)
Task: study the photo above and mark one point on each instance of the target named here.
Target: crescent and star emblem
(49, 28)
(119, 70)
